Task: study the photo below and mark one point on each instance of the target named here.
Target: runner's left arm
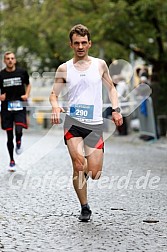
(27, 93)
(116, 117)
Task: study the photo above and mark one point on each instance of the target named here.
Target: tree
(38, 31)
(122, 26)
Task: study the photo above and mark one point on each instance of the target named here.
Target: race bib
(15, 105)
(82, 111)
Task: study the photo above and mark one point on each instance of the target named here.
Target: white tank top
(85, 93)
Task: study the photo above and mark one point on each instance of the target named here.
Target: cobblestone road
(39, 209)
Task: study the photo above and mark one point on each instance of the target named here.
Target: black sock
(18, 144)
(85, 206)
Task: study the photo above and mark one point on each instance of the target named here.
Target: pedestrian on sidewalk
(15, 90)
(83, 76)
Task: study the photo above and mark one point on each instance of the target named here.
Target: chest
(11, 80)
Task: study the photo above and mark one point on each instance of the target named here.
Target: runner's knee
(78, 164)
(95, 175)
(18, 129)
(18, 132)
(10, 135)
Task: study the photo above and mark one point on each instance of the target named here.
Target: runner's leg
(10, 144)
(18, 133)
(94, 161)
(78, 160)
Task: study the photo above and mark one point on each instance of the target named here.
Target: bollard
(162, 125)
(45, 123)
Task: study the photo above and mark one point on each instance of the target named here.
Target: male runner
(15, 90)
(83, 77)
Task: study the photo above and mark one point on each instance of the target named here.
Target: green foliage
(37, 30)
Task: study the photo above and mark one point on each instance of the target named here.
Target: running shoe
(18, 149)
(86, 176)
(12, 166)
(85, 214)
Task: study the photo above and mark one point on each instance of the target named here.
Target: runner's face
(10, 61)
(80, 45)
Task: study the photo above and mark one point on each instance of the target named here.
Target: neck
(85, 58)
(10, 69)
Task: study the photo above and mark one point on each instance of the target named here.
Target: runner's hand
(24, 97)
(3, 97)
(55, 116)
(117, 118)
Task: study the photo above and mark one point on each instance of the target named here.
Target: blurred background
(133, 31)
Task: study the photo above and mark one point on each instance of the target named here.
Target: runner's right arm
(53, 98)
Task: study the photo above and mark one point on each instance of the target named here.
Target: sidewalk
(39, 209)
(134, 138)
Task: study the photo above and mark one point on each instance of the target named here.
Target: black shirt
(13, 84)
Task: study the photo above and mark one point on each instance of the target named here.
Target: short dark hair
(7, 53)
(81, 30)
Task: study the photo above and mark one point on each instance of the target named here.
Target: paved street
(39, 208)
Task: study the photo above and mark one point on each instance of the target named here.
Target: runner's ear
(90, 43)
